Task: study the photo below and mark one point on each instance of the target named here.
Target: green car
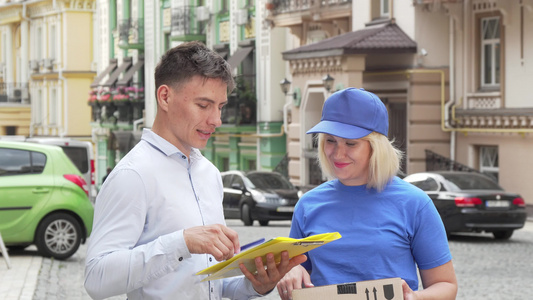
(43, 200)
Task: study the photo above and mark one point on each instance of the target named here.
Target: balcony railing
(291, 6)
(14, 93)
(119, 106)
(437, 162)
(131, 32)
(185, 23)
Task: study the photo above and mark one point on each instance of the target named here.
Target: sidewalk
(19, 282)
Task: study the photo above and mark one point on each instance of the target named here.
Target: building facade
(251, 136)
(452, 74)
(45, 67)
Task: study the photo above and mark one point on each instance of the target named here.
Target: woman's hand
(408, 293)
(294, 279)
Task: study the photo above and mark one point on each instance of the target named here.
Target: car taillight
(79, 181)
(92, 172)
(519, 202)
(467, 201)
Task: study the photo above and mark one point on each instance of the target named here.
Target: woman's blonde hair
(384, 161)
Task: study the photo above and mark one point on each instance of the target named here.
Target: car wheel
(246, 215)
(263, 222)
(58, 236)
(503, 235)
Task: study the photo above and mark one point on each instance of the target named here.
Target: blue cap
(352, 114)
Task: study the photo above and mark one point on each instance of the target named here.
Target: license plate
(497, 204)
(285, 209)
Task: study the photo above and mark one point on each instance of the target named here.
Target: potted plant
(121, 99)
(93, 98)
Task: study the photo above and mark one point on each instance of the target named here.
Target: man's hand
(266, 279)
(293, 280)
(217, 240)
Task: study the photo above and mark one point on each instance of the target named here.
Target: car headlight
(258, 197)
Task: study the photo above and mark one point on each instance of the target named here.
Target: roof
(382, 38)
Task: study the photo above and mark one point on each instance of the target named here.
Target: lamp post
(328, 82)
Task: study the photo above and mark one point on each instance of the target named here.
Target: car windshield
(470, 181)
(269, 181)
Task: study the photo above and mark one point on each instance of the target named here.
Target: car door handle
(40, 191)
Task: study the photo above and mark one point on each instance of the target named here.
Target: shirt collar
(165, 146)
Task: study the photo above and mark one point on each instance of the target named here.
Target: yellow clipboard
(230, 267)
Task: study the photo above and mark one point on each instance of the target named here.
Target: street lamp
(285, 85)
(328, 82)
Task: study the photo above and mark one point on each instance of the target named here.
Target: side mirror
(237, 186)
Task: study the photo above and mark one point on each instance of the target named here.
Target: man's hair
(384, 161)
(181, 63)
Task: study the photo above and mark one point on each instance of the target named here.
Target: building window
(53, 42)
(53, 107)
(37, 105)
(225, 164)
(11, 130)
(40, 54)
(252, 164)
(490, 52)
(384, 8)
(488, 161)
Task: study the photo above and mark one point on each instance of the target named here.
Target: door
(23, 186)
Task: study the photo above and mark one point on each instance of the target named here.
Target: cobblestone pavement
(486, 268)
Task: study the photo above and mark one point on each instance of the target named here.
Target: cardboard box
(381, 289)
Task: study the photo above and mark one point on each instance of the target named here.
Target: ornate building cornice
(316, 65)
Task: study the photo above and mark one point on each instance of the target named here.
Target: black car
(258, 195)
(472, 202)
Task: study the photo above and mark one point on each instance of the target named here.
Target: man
(159, 218)
(108, 171)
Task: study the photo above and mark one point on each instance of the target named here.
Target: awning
(126, 63)
(224, 54)
(239, 55)
(109, 69)
(129, 75)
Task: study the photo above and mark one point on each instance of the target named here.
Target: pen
(255, 243)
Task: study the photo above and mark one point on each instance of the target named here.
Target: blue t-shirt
(384, 234)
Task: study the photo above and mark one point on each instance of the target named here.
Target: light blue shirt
(137, 245)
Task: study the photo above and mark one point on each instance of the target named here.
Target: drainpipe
(451, 101)
(136, 124)
(32, 121)
(285, 116)
(63, 80)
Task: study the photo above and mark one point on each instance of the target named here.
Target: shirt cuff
(175, 247)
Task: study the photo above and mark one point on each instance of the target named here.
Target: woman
(388, 227)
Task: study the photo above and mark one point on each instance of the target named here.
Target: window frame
(479, 53)
(492, 169)
(382, 5)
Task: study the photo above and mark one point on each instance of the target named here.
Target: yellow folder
(230, 267)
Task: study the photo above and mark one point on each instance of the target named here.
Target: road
(486, 268)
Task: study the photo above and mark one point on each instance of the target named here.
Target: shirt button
(180, 259)
(211, 290)
(210, 259)
(183, 156)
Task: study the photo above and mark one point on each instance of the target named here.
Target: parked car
(43, 200)
(472, 202)
(258, 195)
(80, 153)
